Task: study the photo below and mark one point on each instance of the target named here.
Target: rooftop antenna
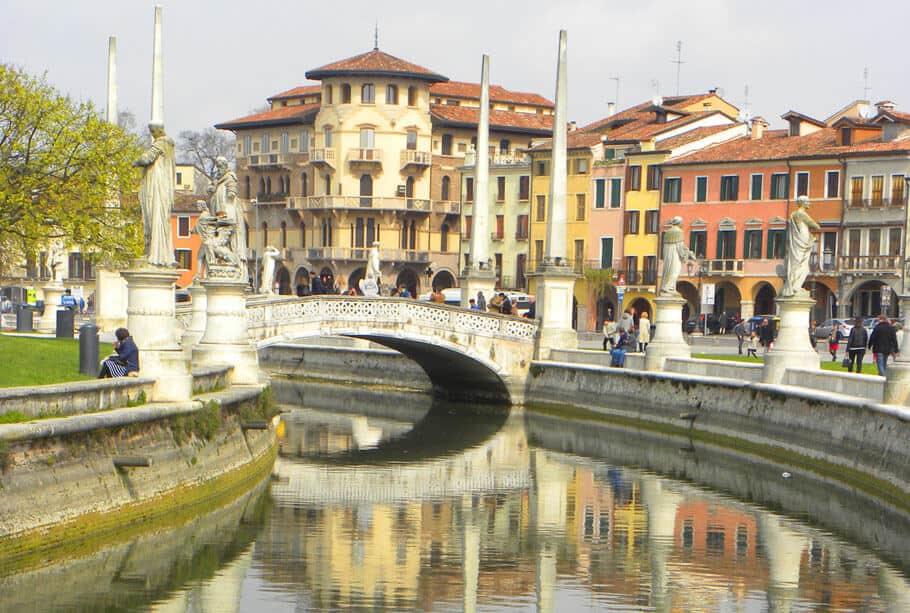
(679, 62)
(376, 37)
(866, 86)
(616, 98)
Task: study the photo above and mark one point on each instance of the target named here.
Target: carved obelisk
(151, 315)
(554, 276)
(479, 275)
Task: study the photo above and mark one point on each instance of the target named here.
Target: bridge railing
(263, 312)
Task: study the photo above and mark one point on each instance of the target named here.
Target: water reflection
(386, 502)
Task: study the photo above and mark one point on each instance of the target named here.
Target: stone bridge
(468, 355)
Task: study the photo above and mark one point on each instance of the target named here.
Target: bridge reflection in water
(521, 511)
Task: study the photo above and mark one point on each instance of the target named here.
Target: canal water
(392, 502)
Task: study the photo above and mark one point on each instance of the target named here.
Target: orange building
(186, 242)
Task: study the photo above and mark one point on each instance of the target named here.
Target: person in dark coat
(127, 359)
(315, 284)
(740, 331)
(766, 334)
(856, 345)
(883, 342)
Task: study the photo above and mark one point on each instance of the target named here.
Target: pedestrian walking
(834, 341)
(766, 335)
(740, 331)
(883, 343)
(856, 346)
(753, 345)
(644, 331)
(813, 335)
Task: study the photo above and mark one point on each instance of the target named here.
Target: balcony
(367, 202)
(323, 157)
(870, 263)
(271, 199)
(358, 254)
(368, 157)
(724, 268)
(417, 159)
(521, 235)
(265, 160)
(446, 207)
(499, 159)
(496, 236)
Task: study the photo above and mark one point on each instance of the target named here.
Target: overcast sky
(224, 58)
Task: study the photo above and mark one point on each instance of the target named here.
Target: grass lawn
(868, 365)
(40, 361)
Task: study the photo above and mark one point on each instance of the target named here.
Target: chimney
(885, 105)
(573, 126)
(611, 109)
(758, 127)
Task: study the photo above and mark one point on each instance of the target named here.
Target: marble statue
(799, 246)
(269, 257)
(156, 197)
(225, 203)
(215, 255)
(373, 273)
(55, 261)
(675, 253)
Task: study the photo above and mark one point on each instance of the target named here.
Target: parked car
(824, 329)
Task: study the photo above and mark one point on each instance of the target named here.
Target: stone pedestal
(897, 377)
(53, 291)
(555, 290)
(152, 323)
(226, 339)
(196, 329)
(668, 341)
(473, 281)
(792, 348)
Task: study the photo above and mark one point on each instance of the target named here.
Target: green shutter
(701, 189)
(599, 193)
(615, 193)
(756, 187)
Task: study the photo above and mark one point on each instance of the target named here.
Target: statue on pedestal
(799, 247)
(156, 197)
(224, 202)
(269, 257)
(215, 254)
(369, 285)
(675, 253)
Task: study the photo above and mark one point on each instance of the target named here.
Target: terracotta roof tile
(639, 112)
(461, 89)
(502, 120)
(375, 62)
(297, 92)
(284, 115)
(692, 135)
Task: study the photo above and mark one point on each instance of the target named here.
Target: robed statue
(225, 203)
(270, 257)
(156, 197)
(675, 253)
(799, 247)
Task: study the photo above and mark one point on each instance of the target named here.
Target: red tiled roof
(500, 120)
(297, 92)
(640, 112)
(692, 135)
(803, 117)
(461, 89)
(773, 145)
(284, 115)
(896, 116)
(375, 62)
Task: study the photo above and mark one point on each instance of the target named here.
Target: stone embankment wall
(864, 443)
(68, 477)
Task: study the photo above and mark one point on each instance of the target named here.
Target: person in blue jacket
(127, 359)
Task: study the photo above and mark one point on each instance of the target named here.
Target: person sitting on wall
(126, 362)
(618, 353)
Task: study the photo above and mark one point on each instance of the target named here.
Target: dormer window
(794, 127)
(660, 116)
(846, 136)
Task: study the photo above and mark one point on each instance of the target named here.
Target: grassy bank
(41, 361)
(868, 365)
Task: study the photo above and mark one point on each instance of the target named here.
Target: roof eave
(319, 74)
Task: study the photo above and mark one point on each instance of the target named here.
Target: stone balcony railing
(410, 157)
(870, 263)
(447, 207)
(499, 159)
(323, 156)
(360, 254)
(365, 156)
(420, 205)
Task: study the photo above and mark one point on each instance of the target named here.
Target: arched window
(246, 186)
(345, 93)
(504, 146)
(444, 192)
(268, 185)
(366, 190)
(284, 235)
(302, 234)
(367, 93)
(327, 136)
(265, 233)
(412, 96)
(444, 237)
(304, 188)
(261, 187)
(391, 94)
(412, 236)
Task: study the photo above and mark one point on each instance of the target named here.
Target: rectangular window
(581, 166)
(521, 268)
(615, 193)
(580, 207)
(894, 241)
(391, 94)
(777, 239)
(500, 189)
(412, 96)
(780, 185)
(631, 222)
(183, 227)
(285, 138)
(649, 270)
(600, 195)
(653, 177)
(521, 227)
(832, 184)
(698, 243)
(541, 169)
(878, 188)
(446, 144)
(411, 144)
(184, 258)
(652, 222)
(726, 244)
(875, 241)
(524, 188)
(368, 93)
(327, 136)
(701, 189)
(802, 184)
(579, 255)
(856, 191)
(467, 226)
(179, 178)
(541, 214)
(672, 189)
(632, 269)
(304, 141)
(469, 189)
(538, 251)
(756, 187)
(729, 187)
(752, 245)
(897, 190)
(853, 242)
(633, 178)
(247, 144)
(265, 142)
(500, 226)
(367, 138)
(74, 266)
(606, 252)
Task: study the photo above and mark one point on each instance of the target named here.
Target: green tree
(65, 173)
